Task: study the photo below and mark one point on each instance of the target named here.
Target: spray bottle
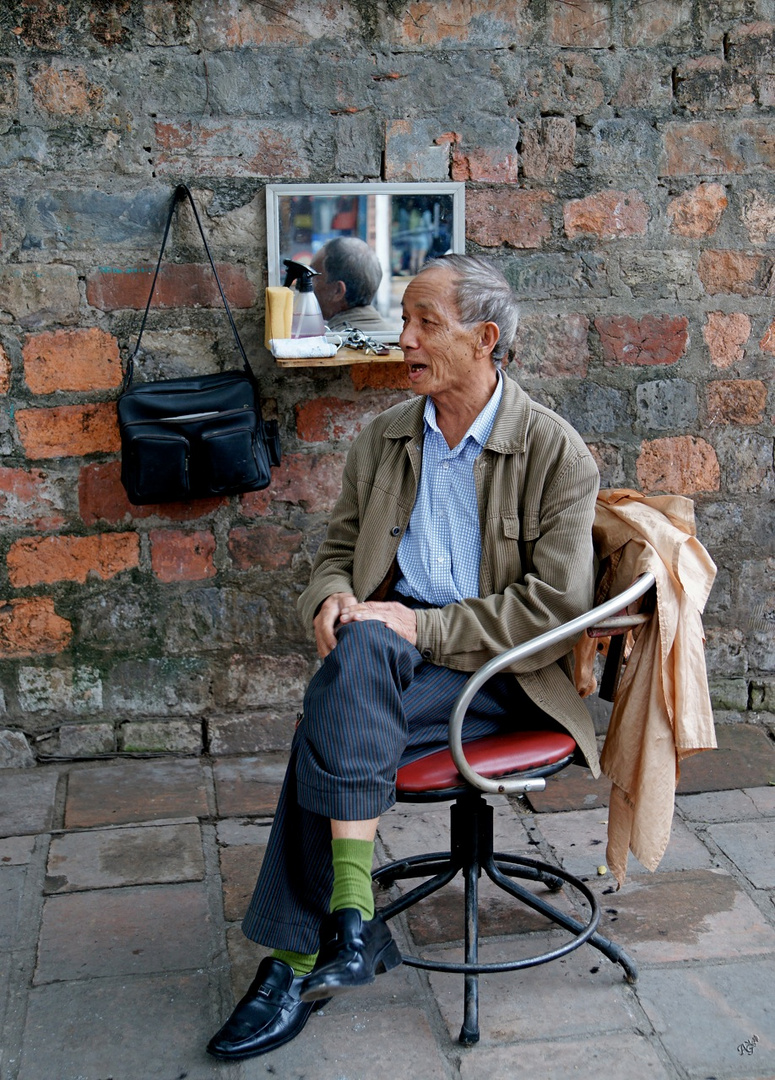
(307, 317)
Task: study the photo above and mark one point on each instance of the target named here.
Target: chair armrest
(571, 629)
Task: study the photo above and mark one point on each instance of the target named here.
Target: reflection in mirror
(366, 241)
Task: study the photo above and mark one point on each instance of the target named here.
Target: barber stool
(513, 763)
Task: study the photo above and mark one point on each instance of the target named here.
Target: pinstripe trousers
(373, 705)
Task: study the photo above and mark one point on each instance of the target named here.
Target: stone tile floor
(122, 884)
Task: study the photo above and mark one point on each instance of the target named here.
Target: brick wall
(619, 161)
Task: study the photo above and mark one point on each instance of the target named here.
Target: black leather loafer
(269, 1015)
(352, 952)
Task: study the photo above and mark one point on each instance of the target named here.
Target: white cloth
(291, 348)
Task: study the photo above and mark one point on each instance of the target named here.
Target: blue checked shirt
(440, 551)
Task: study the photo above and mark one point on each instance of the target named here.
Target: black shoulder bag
(196, 437)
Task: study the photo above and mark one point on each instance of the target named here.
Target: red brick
(582, 24)
(66, 92)
(31, 628)
(389, 375)
(735, 272)
(69, 430)
(182, 556)
(553, 346)
(71, 360)
(725, 335)
(736, 401)
(178, 286)
(643, 84)
(41, 24)
(44, 560)
(767, 343)
(29, 500)
(5, 371)
(233, 147)
(101, 497)
(507, 215)
(263, 547)
(548, 147)
(608, 215)
(106, 21)
(312, 481)
(295, 22)
(705, 147)
(705, 83)
(653, 22)
(698, 212)
(654, 339)
(758, 214)
(485, 164)
(429, 23)
(326, 418)
(682, 465)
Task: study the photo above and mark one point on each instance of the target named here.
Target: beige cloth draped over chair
(661, 712)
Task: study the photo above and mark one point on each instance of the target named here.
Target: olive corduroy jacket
(536, 485)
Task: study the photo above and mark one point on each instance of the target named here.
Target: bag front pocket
(230, 462)
(155, 466)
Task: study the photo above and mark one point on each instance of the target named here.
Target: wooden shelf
(343, 357)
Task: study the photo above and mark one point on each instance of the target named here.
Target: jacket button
(427, 654)
(395, 531)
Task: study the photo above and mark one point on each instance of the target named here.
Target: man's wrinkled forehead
(433, 289)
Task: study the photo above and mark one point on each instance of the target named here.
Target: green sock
(302, 963)
(352, 876)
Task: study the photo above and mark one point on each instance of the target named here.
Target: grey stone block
(666, 404)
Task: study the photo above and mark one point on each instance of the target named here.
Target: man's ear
(338, 290)
(489, 333)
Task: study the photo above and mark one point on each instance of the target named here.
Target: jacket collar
(509, 432)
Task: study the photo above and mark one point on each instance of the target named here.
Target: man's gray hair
(348, 259)
(484, 295)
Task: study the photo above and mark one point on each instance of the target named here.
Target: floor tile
(745, 758)
(630, 1055)
(28, 800)
(122, 932)
(715, 1020)
(125, 1029)
(685, 915)
(133, 791)
(106, 858)
(248, 786)
(579, 841)
(751, 847)
(571, 996)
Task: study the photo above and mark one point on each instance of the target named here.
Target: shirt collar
(482, 426)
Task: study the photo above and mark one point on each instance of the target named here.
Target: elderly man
(349, 274)
(463, 528)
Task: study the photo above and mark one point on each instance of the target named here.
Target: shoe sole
(389, 958)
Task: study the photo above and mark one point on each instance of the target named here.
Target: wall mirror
(403, 224)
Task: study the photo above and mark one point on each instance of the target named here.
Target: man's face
(330, 294)
(442, 355)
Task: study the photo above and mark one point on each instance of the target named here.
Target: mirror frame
(275, 191)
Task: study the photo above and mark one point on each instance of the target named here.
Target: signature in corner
(749, 1046)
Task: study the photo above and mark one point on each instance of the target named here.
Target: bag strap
(182, 192)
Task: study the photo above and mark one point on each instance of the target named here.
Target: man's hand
(328, 616)
(397, 617)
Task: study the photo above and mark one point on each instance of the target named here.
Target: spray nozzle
(299, 272)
